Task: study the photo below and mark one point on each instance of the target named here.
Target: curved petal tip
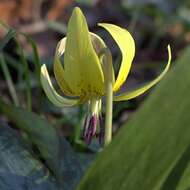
(127, 95)
(50, 92)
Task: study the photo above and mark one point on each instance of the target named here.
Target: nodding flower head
(82, 74)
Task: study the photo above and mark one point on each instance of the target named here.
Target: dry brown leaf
(57, 9)
(7, 11)
(25, 9)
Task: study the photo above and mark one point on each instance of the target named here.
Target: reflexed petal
(97, 43)
(58, 69)
(82, 68)
(139, 91)
(53, 96)
(100, 47)
(127, 46)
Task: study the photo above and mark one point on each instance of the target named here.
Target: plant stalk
(9, 80)
(109, 96)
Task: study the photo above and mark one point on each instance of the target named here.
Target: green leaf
(41, 133)
(148, 151)
(56, 151)
(27, 76)
(9, 81)
(18, 168)
(10, 34)
(36, 58)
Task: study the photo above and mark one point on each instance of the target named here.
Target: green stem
(27, 77)
(109, 96)
(9, 80)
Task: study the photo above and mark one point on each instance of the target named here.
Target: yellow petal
(82, 68)
(101, 49)
(98, 45)
(132, 94)
(127, 46)
(53, 96)
(58, 69)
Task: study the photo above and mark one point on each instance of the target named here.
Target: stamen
(92, 120)
(88, 138)
(93, 123)
(85, 126)
(89, 129)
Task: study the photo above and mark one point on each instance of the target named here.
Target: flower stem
(109, 96)
(77, 128)
(108, 122)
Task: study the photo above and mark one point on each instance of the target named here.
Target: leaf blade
(145, 152)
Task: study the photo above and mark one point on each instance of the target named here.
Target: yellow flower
(81, 76)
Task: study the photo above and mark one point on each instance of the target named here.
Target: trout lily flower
(83, 70)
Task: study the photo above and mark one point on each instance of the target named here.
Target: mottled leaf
(19, 170)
